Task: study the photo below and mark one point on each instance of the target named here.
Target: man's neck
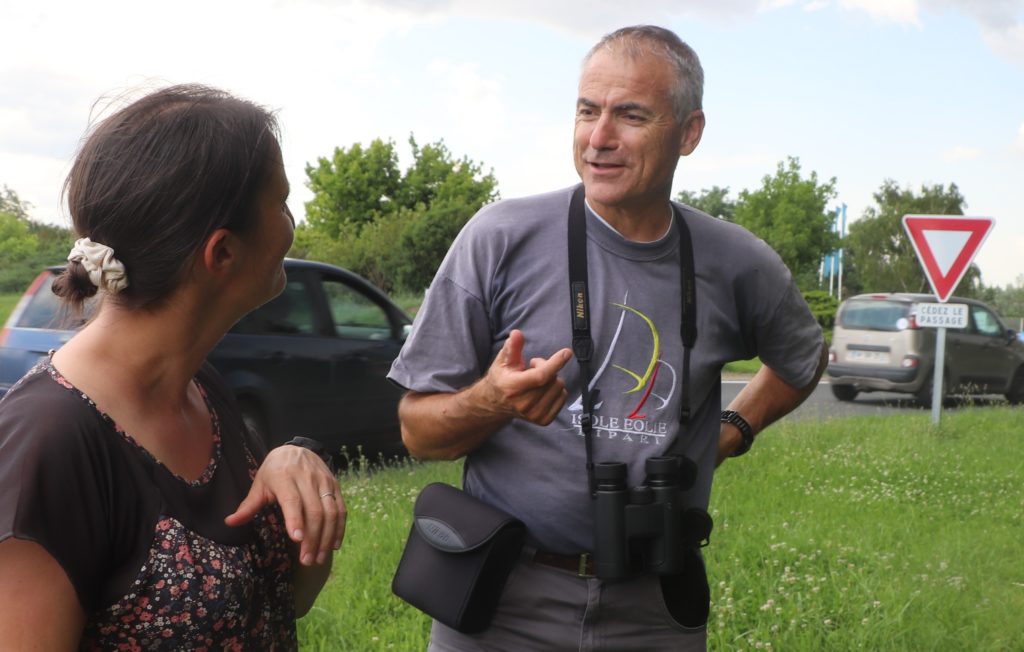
(647, 227)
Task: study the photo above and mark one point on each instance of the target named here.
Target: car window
(355, 315)
(986, 322)
(46, 310)
(873, 315)
(290, 313)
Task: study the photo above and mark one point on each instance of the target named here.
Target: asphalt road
(822, 405)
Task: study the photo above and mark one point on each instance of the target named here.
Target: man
(487, 364)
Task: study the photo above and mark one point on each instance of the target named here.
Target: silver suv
(878, 346)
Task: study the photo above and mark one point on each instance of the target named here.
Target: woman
(136, 511)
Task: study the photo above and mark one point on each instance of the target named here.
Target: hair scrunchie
(105, 271)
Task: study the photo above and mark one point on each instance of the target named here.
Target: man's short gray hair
(642, 40)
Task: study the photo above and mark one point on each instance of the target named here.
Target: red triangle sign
(946, 245)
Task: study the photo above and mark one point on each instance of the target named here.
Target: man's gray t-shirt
(508, 270)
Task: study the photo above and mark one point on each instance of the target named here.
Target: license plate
(872, 357)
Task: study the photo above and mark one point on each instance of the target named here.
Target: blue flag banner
(832, 264)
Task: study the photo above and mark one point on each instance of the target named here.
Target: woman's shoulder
(44, 408)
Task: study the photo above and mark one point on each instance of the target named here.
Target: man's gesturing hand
(535, 394)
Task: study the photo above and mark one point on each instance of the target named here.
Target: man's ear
(219, 254)
(693, 128)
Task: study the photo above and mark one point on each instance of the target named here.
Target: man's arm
(766, 399)
(450, 425)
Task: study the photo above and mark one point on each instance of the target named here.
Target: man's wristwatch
(733, 417)
(316, 447)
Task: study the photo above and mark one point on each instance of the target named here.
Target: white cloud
(1006, 41)
(470, 99)
(961, 153)
(37, 180)
(1020, 137)
(815, 5)
(990, 13)
(587, 18)
(894, 11)
(771, 5)
(999, 258)
(315, 62)
(1001, 22)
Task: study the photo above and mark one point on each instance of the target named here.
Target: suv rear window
(46, 310)
(873, 315)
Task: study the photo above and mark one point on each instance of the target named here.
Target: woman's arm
(308, 581)
(314, 512)
(40, 608)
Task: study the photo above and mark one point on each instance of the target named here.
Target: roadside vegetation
(866, 533)
(743, 367)
(7, 302)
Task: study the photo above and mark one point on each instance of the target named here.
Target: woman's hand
(314, 512)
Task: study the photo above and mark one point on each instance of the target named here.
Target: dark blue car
(312, 362)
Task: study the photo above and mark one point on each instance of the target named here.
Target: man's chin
(601, 192)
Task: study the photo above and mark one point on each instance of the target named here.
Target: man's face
(627, 140)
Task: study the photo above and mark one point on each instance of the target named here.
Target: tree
(26, 247)
(353, 186)
(1008, 301)
(391, 227)
(714, 201)
(879, 255)
(11, 204)
(436, 179)
(788, 212)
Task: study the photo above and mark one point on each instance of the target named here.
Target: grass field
(7, 303)
(875, 533)
(743, 367)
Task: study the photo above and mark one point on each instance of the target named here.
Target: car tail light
(913, 322)
(909, 362)
(4, 332)
(832, 357)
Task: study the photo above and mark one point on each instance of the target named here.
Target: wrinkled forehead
(611, 73)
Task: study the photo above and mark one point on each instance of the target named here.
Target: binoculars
(645, 529)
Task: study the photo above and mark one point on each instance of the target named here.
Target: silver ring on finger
(328, 493)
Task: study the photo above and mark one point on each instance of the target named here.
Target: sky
(916, 91)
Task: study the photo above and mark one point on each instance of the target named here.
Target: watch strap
(734, 418)
(316, 447)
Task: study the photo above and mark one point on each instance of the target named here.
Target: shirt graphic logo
(637, 388)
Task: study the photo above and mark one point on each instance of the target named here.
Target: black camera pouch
(458, 556)
(687, 594)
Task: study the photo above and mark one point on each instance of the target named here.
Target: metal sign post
(940, 316)
(940, 368)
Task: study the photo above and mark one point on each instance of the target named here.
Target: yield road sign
(946, 245)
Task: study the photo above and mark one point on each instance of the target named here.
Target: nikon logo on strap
(579, 311)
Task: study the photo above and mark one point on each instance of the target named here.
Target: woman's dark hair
(156, 178)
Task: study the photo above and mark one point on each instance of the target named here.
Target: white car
(877, 345)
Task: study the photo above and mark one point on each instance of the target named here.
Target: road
(822, 405)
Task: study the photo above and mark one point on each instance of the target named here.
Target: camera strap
(583, 344)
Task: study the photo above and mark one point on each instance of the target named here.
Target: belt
(582, 564)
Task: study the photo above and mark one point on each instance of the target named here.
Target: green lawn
(873, 533)
(7, 303)
(743, 367)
